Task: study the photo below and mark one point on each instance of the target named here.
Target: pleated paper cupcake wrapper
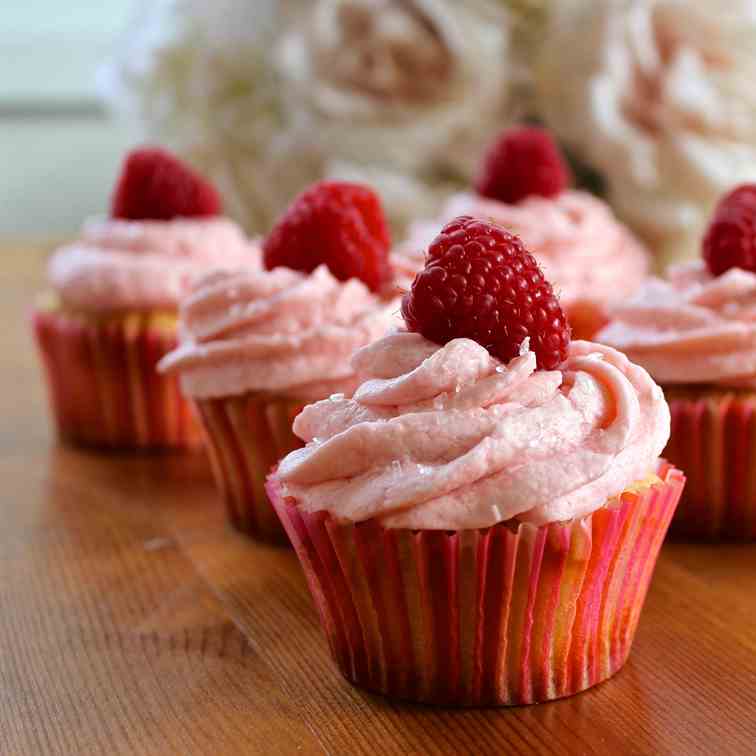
(246, 437)
(586, 319)
(103, 384)
(713, 440)
(497, 616)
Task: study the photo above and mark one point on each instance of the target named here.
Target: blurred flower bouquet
(267, 96)
(654, 96)
(659, 97)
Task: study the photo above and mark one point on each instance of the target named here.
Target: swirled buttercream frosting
(586, 253)
(448, 437)
(279, 331)
(122, 264)
(692, 327)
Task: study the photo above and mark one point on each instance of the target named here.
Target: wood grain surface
(132, 620)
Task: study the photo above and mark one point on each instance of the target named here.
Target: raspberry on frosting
(479, 282)
(730, 240)
(156, 185)
(522, 162)
(337, 223)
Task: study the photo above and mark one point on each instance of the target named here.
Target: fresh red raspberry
(156, 185)
(730, 240)
(522, 162)
(479, 282)
(336, 223)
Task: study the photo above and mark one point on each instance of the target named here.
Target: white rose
(659, 96)
(267, 96)
(389, 87)
(198, 77)
(410, 84)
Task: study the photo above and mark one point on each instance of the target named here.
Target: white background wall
(58, 151)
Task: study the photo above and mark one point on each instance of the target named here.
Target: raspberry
(522, 162)
(730, 240)
(156, 185)
(336, 223)
(479, 282)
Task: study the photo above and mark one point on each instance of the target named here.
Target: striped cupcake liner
(246, 437)
(103, 384)
(513, 614)
(713, 440)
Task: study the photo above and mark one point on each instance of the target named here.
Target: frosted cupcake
(259, 345)
(695, 332)
(112, 308)
(479, 523)
(589, 256)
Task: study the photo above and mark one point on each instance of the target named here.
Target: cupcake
(479, 523)
(111, 311)
(259, 345)
(695, 332)
(591, 259)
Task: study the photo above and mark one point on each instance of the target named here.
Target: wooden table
(132, 620)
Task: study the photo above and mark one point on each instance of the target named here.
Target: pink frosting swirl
(584, 251)
(120, 264)
(692, 327)
(448, 437)
(280, 331)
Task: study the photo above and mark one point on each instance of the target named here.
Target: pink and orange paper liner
(246, 437)
(586, 319)
(103, 383)
(713, 440)
(512, 614)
